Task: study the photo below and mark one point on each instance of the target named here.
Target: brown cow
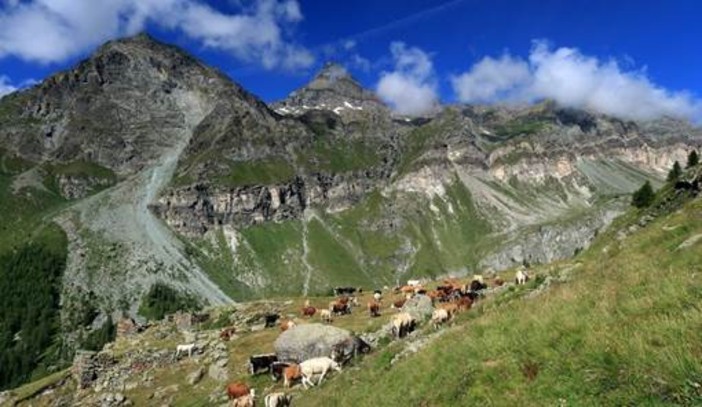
(227, 333)
(308, 311)
(374, 308)
(498, 282)
(399, 303)
(338, 308)
(287, 324)
(238, 389)
(451, 308)
(291, 374)
(464, 303)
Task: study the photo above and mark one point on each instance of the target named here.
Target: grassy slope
(624, 331)
(347, 248)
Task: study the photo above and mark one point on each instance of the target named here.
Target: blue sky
(635, 59)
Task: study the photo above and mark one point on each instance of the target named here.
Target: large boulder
(419, 306)
(310, 341)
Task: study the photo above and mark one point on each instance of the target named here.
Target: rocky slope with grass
(616, 325)
(159, 169)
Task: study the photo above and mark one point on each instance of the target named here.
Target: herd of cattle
(449, 299)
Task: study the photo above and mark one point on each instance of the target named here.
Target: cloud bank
(49, 31)
(411, 88)
(572, 79)
(6, 86)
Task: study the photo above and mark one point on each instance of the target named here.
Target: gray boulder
(309, 341)
(419, 306)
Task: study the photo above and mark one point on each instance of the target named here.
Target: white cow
(326, 316)
(402, 324)
(521, 277)
(377, 297)
(278, 399)
(317, 366)
(438, 317)
(244, 401)
(188, 348)
(414, 283)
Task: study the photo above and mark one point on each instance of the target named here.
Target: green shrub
(675, 172)
(97, 339)
(162, 300)
(692, 159)
(644, 196)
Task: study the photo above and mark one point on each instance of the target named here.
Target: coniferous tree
(692, 159)
(644, 196)
(675, 172)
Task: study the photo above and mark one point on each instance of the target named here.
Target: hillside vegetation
(623, 330)
(617, 325)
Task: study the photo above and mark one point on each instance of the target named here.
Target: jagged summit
(332, 88)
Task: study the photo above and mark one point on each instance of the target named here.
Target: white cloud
(492, 79)
(573, 80)
(53, 30)
(5, 86)
(411, 88)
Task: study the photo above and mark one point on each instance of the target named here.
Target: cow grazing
(238, 389)
(317, 366)
(244, 401)
(337, 308)
(374, 308)
(407, 289)
(498, 282)
(309, 311)
(271, 319)
(326, 316)
(291, 374)
(438, 317)
(277, 369)
(188, 348)
(339, 291)
(259, 363)
(377, 295)
(414, 283)
(450, 308)
(464, 303)
(344, 351)
(287, 324)
(521, 277)
(398, 304)
(278, 400)
(227, 333)
(477, 285)
(402, 324)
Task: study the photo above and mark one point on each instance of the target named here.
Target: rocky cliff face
(539, 182)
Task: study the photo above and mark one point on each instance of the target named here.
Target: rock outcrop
(309, 341)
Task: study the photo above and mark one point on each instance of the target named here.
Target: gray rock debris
(308, 341)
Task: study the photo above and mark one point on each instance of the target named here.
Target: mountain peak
(333, 71)
(332, 88)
